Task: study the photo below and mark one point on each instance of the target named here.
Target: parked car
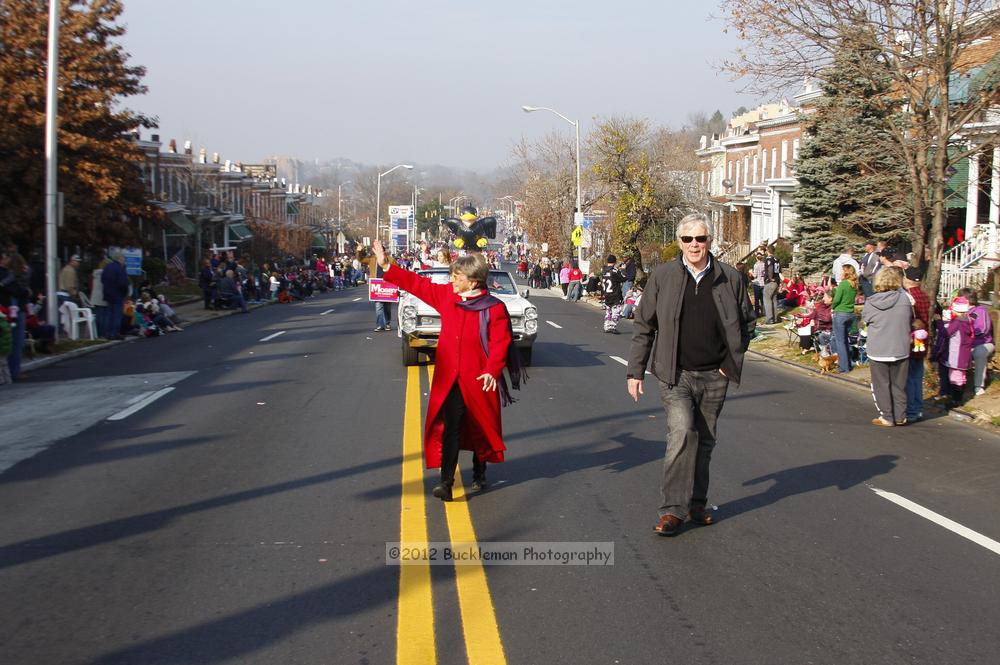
(419, 324)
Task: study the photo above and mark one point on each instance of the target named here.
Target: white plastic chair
(71, 316)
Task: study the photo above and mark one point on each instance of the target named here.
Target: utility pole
(51, 187)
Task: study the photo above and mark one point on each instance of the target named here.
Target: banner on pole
(400, 225)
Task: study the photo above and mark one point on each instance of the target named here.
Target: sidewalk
(191, 311)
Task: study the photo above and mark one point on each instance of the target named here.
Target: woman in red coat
(463, 411)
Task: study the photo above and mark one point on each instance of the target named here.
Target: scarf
(517, 373)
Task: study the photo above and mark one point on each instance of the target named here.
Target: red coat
(460, 357)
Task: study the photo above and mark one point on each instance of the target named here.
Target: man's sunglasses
(687, 239)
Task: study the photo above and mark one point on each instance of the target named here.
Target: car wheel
(410, 356)
(526, 356)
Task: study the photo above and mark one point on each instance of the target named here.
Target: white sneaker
(980, 391)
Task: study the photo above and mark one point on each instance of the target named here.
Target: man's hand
(489, 383)
(380, 258)
(634, 388)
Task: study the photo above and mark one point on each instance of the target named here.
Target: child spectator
(959, 332)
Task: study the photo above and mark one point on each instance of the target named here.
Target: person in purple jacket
(982, 339)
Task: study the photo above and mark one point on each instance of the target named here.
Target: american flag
(177, 260)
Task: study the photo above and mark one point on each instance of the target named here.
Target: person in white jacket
(845, 259)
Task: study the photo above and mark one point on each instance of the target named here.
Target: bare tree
(923, 46)
(547, 176)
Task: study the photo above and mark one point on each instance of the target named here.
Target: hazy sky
(434, 81)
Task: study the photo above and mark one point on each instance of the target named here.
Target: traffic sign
(577, 236)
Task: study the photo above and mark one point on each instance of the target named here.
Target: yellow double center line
(415, 641)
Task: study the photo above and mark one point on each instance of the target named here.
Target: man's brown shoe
(701, 517)
(669, 525)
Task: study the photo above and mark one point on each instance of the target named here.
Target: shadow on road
(57, 459)
(842, 474)
(228, 638)
(629, 453)
(107, 532)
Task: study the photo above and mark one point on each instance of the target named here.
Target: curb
(39, 363)
(957, 414)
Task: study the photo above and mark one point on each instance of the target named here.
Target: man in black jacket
(772, 280)
(697, 311)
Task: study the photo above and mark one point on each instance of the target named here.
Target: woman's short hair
(889, 278)
(473, 266)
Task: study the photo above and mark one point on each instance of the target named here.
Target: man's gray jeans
(771, 302)
(980, 359)
(693, 407)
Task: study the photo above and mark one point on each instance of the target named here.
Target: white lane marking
(270, 337)
(554, 325)
(125, 413)
(138, 397)
(940, 520)
(356, 300)
(622, 361)
(326, 312)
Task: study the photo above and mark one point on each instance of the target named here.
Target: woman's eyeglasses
(687, 239)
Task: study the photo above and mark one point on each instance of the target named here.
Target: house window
(737, 176)
(795, 149)
(774, 160)
(763, 164)
(784, 158)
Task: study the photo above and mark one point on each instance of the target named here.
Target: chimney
(173, 146)
(202, 154)
(229, 164)
(215, 158)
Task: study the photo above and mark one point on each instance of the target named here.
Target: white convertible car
(419, 324)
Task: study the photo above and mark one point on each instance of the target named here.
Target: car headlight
(530, 313)
(409, 324)
(409, 312)
(530, 325)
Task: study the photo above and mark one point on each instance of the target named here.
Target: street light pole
(576, 124)
(378, 197)
(340, 220)
(51, 153)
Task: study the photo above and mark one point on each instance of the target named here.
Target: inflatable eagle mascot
(470, 231)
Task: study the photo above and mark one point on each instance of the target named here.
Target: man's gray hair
(117, 254)
(695, 219)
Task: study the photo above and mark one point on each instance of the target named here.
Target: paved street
(236, 509)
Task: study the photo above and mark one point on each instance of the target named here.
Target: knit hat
(960, 305)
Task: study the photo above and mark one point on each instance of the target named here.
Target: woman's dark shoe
(442, 491)
(478, 484)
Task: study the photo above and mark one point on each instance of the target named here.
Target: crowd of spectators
(855, 315)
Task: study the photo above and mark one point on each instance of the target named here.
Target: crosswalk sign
(577, 236)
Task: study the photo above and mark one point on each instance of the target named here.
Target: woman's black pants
(454, 416)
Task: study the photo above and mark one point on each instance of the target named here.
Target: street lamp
(575, 123)
(378, 196)
(340, 220)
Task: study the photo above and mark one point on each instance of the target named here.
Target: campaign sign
(380, 290)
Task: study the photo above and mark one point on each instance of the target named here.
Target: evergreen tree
(99, 164)
(852, 181)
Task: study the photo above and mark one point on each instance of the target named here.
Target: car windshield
(499, 283)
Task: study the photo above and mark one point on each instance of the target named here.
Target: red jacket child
(460, 358)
